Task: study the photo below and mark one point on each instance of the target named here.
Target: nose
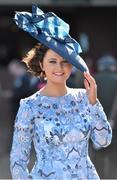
(59, 65)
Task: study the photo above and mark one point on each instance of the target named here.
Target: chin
(58, 81)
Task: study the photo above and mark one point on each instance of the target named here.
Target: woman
(59, 121)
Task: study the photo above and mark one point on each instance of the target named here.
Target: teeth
(58, 74)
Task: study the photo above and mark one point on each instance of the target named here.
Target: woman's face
(56, 68)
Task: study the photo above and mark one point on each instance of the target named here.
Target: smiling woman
(59, 120)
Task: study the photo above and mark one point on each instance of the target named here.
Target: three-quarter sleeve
(101, 132)
(22, 138)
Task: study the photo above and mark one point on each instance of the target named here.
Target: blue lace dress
(60, 128)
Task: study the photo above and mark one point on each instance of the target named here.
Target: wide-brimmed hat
(53, 32)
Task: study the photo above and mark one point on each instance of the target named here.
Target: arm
(22, 138)
(101, 132)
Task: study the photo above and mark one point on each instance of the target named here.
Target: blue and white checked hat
(53, 32)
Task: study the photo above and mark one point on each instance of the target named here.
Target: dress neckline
(56, 97)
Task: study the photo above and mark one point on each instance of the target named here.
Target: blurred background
(94, 24)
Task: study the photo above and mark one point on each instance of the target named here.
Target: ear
(41, 66)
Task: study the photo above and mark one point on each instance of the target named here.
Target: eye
(52, 61)
(65, 61)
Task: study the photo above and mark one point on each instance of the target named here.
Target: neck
(54, 89)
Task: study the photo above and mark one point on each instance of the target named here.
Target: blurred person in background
(20, 84)
(106, 78)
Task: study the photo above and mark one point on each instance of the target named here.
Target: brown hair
(33, 59)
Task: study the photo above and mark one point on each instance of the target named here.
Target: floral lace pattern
(60, 128)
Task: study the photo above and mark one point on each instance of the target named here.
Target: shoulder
(29, 100)
(24, 115)
(80, 96)
(78, 92)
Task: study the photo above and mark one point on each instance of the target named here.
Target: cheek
(48, 71)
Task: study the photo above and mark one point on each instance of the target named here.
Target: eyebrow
(52, 59)
(56, 59)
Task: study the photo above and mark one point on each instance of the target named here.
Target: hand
(91, 88)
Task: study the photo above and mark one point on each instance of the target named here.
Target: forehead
(52, 54)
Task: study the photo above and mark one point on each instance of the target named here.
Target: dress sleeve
(21, 145)
(101, 132)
